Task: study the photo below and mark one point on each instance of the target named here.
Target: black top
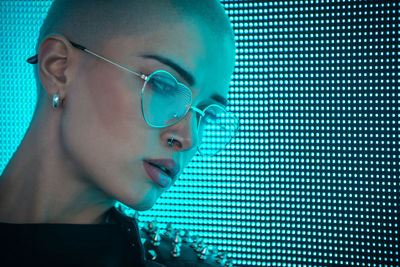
(115, 243)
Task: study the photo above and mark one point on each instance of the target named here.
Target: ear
(55, 63)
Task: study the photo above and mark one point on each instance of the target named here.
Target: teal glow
(312, 177)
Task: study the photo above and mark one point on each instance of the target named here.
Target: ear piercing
(56, 100)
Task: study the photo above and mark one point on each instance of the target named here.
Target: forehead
(190, 44)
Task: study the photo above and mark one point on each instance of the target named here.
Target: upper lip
(168, 166)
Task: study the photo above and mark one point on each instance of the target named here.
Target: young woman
(127, 91)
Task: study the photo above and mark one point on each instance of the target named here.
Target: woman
(125, 90)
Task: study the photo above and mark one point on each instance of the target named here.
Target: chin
(143, 207)
(145, 202)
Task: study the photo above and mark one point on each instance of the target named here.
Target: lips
(161, 171)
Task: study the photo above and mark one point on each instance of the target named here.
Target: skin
(77, 160)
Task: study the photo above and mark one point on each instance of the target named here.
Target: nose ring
(171, 141)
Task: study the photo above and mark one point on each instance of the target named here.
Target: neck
(41, 184)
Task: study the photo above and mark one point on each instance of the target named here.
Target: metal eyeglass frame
(34, 60)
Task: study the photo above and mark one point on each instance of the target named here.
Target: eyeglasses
(165, 101)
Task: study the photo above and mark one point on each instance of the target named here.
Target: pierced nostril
(172, 142)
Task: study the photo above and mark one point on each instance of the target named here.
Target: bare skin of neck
(42, 184)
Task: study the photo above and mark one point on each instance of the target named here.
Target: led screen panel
(312, 178)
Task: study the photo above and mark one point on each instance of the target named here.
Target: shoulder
(169, 247)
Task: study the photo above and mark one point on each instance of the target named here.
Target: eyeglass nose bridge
(202, 113)
(196, 110)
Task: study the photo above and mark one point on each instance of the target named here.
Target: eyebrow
(186, 75)
(182, 72)
(220, 99)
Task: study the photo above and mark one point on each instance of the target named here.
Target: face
(103, 129)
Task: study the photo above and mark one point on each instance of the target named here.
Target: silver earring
(56, 100)
(171, 141)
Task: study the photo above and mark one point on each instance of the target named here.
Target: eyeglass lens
(165, 102)
(216, 130)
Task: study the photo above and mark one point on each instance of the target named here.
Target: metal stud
(155, 239)
(169, 231)
(221, 258)
(194, 242)
(169, 228)
(151, 227)
(187, 237)
(200, 246)
(177, 238)
(213, 251)
(203, 253)
(151, 255)
(176, 250)
(228, 263)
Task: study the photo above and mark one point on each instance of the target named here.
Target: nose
(182, 135)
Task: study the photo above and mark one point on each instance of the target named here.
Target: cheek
(101, 120)
(115, 103)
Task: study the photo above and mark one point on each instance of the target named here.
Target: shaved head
(93, 22)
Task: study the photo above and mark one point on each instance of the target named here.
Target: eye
(162, 85)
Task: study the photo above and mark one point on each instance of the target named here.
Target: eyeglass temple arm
(35, 59)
